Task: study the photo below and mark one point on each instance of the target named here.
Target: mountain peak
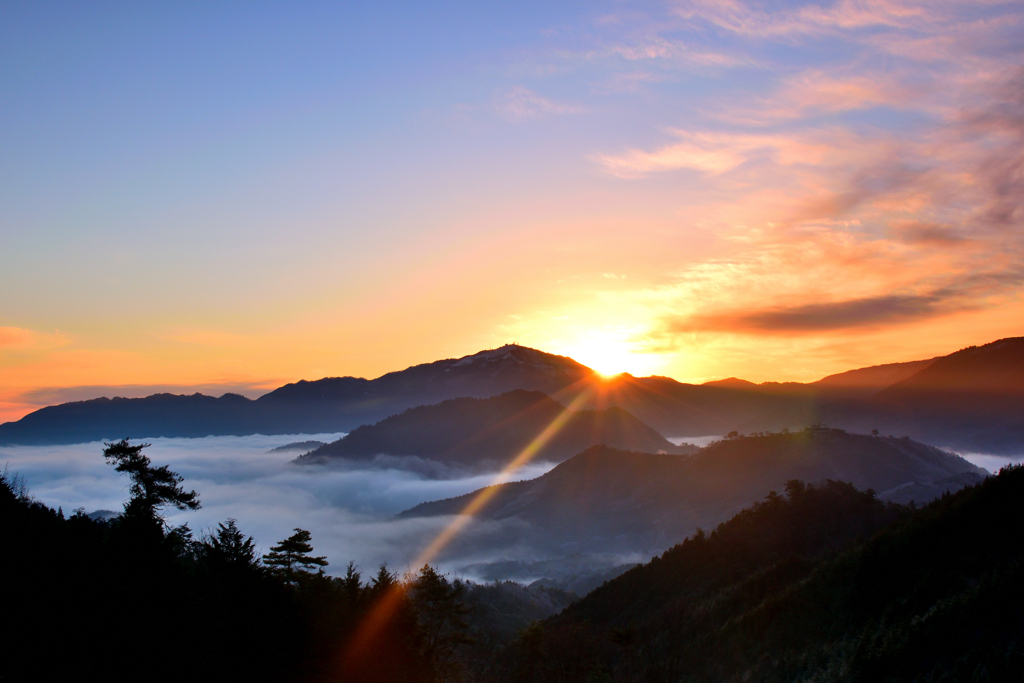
(730, 383)
(516, 354)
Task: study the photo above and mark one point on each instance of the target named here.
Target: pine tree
(152, 487)
(443, 619)
(383, 582)
(351, 583)
(229, 549)
(291, 557)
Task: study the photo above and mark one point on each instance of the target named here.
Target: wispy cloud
(19, 338)
(522, 104)
(658, 47)
(808, 20)
(711, 152)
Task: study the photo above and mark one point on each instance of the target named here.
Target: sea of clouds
(349, 509)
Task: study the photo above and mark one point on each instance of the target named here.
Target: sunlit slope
(492, 431)
(605, 499)
(794, 590)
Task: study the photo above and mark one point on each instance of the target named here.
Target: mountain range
(488, 433)
(971, 400)
(606, 500)
(332, 404)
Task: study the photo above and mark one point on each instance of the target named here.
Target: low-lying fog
(349, 509)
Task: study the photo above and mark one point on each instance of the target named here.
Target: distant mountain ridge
(332, 404)
(491, 432)
(873, 379)
(608, 500)
(971, 400)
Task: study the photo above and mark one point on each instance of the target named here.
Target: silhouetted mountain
(333, 404)
(871, 380)
(825, 584)
(607, 500)
(158, 415)
(971, 400)
(492, 431)
(678, 409)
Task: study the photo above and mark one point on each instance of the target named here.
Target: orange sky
(693, 189)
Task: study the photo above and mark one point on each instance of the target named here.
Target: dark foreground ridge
(778, 594)
(490, 432)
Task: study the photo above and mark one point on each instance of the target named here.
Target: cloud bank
(348, 510)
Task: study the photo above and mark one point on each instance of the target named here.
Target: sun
(608, 356)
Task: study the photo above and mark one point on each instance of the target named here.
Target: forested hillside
(135, 599)
(778, 594)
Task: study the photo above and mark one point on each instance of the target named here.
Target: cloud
(693, 154)
(711, 152)
(970, 291)
(660, 48)
(18, 338)
(522, 104)
(818, 316)
(808, 20)
(349, 510)
(928, 233)
(864, 196)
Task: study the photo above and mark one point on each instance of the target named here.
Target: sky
(227, 197)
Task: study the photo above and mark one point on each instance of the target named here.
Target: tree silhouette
(442, 615)
(291, 557)
(152, 487)
(351, 584)
(383, 582)
(229, 548)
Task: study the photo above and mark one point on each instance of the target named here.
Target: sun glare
(609, 356)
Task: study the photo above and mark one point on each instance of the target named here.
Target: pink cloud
(714, 153)
(811, 19)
